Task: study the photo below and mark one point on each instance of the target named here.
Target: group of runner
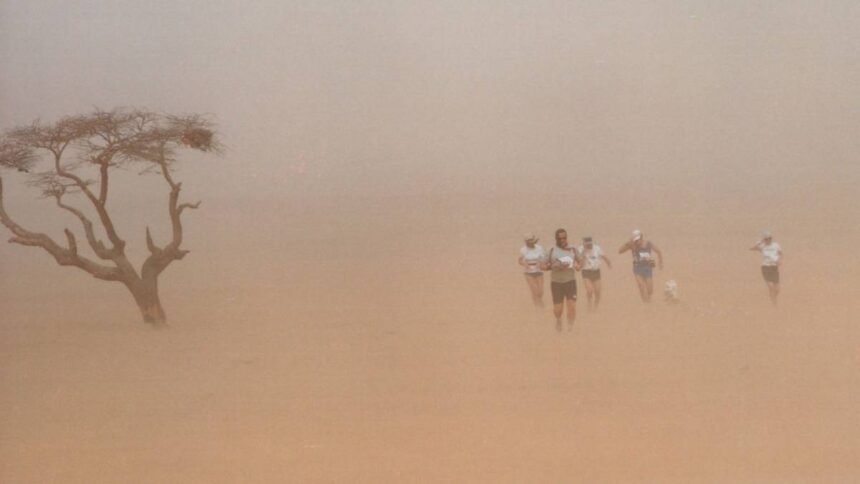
(563, 260)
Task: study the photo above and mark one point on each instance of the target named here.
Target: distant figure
(643, 262)
(771, 254)
(563, 261)
(591, 254)
(532, 257)
(670, 292)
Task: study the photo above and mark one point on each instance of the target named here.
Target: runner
(771, 254)
(563, 261)
(643, 262)
(591, 254)
(532, 257)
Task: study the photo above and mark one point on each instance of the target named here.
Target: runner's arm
(624, 248)
(546, 262)
(606, 259)
(577, 260)
(659, 256)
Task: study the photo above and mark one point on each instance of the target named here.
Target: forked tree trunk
(145, 294)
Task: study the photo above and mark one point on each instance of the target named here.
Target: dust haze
(352, 310)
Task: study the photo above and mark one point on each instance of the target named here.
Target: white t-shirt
(770, 253)
(592, 257)
(533, 257)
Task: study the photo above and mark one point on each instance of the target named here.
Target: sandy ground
(393, 340)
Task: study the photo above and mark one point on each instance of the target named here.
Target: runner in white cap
(591, 254)
(771, 254)
(532, 257)
(643, 262)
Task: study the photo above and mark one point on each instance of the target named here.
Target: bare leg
(536, 288)
(649, 287)
(596, 294)
(571, 313)
(557, 309)
(539, 284)
(589, 292)
(642, 284)
(773, 290)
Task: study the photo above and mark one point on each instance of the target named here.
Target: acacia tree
(72, 161)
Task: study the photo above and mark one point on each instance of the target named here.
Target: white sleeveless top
(533, 258)
(769, 253)
(592, 257)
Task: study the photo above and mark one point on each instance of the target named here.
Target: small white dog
(670, 292)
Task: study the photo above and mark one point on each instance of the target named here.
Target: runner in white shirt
(591, 254)
(771, 254)
(563, 260)
(532, 257)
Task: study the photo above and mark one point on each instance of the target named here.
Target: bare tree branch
(16, 155)
(150, 245)
(98, 246)
(103, 182)
(63, 256)
(73, 244)
(194, 206)
(160, 258)
(101, 210)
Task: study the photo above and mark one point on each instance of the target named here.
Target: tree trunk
(145, 294)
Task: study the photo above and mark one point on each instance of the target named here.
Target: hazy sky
(322, 97)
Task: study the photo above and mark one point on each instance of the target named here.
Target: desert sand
(351, 309)
(392, 339)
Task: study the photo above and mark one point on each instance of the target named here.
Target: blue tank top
(642, 256)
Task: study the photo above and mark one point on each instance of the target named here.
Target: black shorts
(533, 274)
(561, 290)
(770, 274)
(591, 275)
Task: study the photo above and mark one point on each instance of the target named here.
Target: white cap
(765, 234)
(528, 237)
(637, 234)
